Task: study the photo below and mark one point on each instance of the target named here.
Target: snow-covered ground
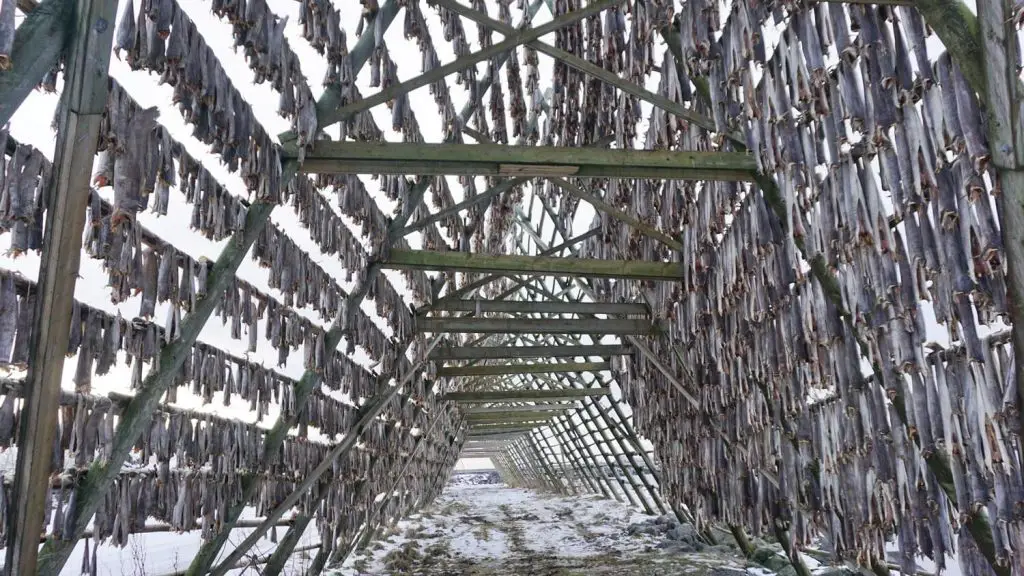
(493, 529)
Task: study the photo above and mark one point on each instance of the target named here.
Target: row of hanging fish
(207, 444)
(97, 337)
(161, 38)
(205, 96)
(154, 272)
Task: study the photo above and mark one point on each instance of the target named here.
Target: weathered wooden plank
(496, 436)
(532, 326)
(38, 44)
(529, 155)
(477, 429)
(1005, 121)
(456, 371)
(83, 104)
(527, 395)
(537, 265)
(521, 307)
(957, 27)
(480, 418)
(329, 157)
(505, 352)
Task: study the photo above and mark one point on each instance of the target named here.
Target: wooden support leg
(92, 34)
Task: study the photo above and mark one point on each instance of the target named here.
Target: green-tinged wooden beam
(508, 352)
(533, 265)
(332, 157)
(487, 425)
(523, 36)
(631, 221)
(524, 395)
(477, 417)
(486, 429)
(957, 27)
(498, 424)
(514, 409)
(502, 369)
(521, 307)
(286, 546)
(38, 44)
(83, 105)
(502, 436)
(532, 326)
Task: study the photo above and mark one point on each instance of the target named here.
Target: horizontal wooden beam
(532, 326)
(482, 435)
(524, 395)
(478, 418)
(507, 352)
(533, 265)
(502, 369)
(526, 307)
(330, 157)
(522, 408)
(504, 429)
(508, 423)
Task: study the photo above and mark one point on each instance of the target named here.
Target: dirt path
(497, 531)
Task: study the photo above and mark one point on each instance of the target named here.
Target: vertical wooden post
(1005, 100)
(84, 102)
